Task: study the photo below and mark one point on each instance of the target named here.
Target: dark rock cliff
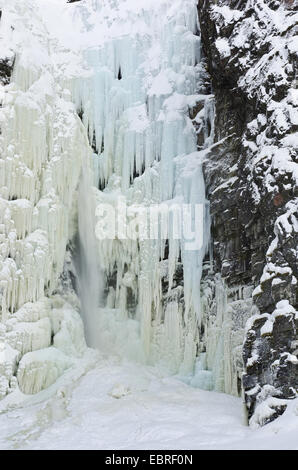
(251, 178)
(6, 67)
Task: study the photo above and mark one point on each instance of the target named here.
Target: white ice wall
(42, 147)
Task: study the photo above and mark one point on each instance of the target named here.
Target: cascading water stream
(90, 283)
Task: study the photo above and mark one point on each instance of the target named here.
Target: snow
(266, 329)
(226, 14)
(223, 47)
(119, 405)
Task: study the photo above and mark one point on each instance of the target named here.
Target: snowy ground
(121, 405)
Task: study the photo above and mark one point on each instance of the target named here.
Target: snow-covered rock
(251, 178)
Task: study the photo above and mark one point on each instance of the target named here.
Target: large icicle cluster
(146, 77)
(42, 145)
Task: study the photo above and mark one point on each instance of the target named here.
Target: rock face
(6, 66)
(7, 60)
(251, 177)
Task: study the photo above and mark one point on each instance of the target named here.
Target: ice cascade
(42, 147)
(146, 79)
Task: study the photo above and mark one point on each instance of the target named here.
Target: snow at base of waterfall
(121, 405)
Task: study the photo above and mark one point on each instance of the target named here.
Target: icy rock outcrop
(7, 54)
(6, 66)
(251, 177)
(42, 145)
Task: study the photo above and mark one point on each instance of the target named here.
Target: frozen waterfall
(109, 114)
(143, 77)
